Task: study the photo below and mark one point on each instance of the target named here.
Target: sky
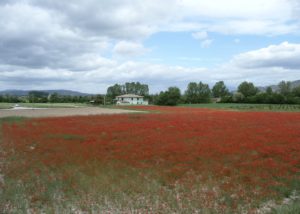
(89, 45)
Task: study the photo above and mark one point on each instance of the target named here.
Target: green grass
(246, 107)
(291, 208)
(6, 105)
(99, 188)
(10, 120)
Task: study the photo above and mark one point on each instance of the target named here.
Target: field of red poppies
(173, 159)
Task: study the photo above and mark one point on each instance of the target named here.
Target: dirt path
(61, 112)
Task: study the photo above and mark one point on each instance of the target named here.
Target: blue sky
(180, 48)
(88, 46)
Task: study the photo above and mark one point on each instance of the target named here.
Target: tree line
(127, 88)
(195, 93)
(247, 92)
(43, 97)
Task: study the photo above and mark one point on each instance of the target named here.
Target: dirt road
(61, 112)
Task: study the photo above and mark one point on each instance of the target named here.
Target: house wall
(131, 101)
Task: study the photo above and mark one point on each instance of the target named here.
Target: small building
(131, 99)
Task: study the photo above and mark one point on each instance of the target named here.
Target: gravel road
(61, 112)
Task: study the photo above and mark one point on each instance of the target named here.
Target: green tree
(204, 93)
(247, 89)
(220, 90)
(37, 96)
(98, 99)
(197, 93)
(191, 93)
(170, 97)
(54, 98)
(136, 88)
(114, 91)
(238, 97)
(269, 90)
(285, 88)
(128, 88)
(296, 91)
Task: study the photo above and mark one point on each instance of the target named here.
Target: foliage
(114, 91)
(220, 90)
(136, 88)
(191, 94)
(37, 97)
(296, 91)
(247, 89)
(204, 92)
(238, 97)
(128, 88)
(247, 106)
(248, 93)
(285, 88)
(197, 93)
(170, 97)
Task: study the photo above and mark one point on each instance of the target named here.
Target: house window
(138, 98)
(122, 98)
(131, 98)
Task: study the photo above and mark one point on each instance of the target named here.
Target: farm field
(246, 106)
(173, 160)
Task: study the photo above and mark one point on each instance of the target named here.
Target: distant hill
(60, 92)
(295, 84)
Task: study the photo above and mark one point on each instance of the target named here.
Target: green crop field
(246, 107)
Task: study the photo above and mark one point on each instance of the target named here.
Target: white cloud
(203, 37)
(285, 55)
(61, 43)
(242, 9)
(158, 76)
(200, 35)
(129, 49)
(206, 43)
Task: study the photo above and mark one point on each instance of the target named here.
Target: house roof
(130, 96)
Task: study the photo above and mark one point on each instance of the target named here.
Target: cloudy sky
(91, 44)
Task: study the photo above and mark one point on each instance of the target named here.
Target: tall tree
(128, 88)
(114, 91)
(219, 89)
(247, 89)
(54, 98)
(37, 96)
(197, 93)
(296, 91)
(170, 97)
(204, 93)
(285, 88)
(269, 90)
(191, 93)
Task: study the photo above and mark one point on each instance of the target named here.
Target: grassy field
(6, 105)
(230, 106)
(182, 160)
(246, 107)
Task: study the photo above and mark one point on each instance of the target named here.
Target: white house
(131, 99)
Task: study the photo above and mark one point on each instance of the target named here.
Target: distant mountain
(60, 92)
(294, 84)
